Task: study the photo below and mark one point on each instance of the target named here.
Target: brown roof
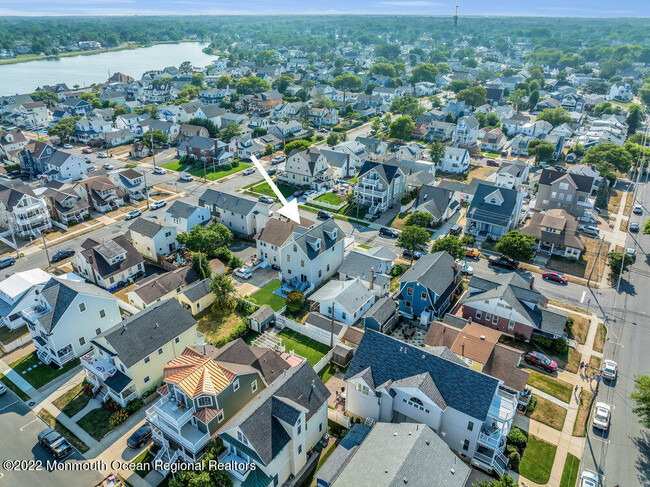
(502, 364)
(557, 219)
(131, 173)
(277, 232)
(205, 415)
(163, 284)
(440, 335)
(197, 374)
(476, 342)
(353, 335)
(215, 264)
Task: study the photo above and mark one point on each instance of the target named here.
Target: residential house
(455, 159)
(241, 215)
(372, 145)
(42, 158)
(187, 131)
(152, 238)
(307, 168)
(22, 212)
(555, 233)
(286, 130)
(108, 263)
(322, 117)
(130, 120)
(342, 163)
(558, 141)
(466, 132)
(127, 360)
(494, 211)
(161, 287)
(344, 301)
(198, 297)
(263, 103)
(132, 183)
(511, 174)
(382, 316)
(519, 145)
(11, 143)
(18, 292)
(185, 216)
(588, 171)
(372, 266)
(621, 92)
(380, 186)
(273, 236)
(390, 381)
(428, 287)
(64, 204)
(566, 191)
(74, 107)
(493, 141)
(438, 202)
(66, 316)
(117, 137)
(100, 193)
(412, 152)
(440, 131)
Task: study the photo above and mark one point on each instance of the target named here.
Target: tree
(634, 116)
(516, 245)
(420, 219)
(369, 88)
(644, 94)
(229, 131)
(205, 476)
(517, 98)
(159, 138)
(296, 145)
(451, 244)
(413, 239)
(474, 96)
(602, 194)
(333, 139)
(402, 128)
(504, 481)
(554, 116)
(268, 150)
(223, 289)
(47, 97)
(384, 69)
(198, 79)
(204, 122)
(201, 265)
(347, 82)
(458, 85)
(641, 396)
(295, 301)
(615, 261)
(185, 67)
(606, 108)
(282, 83)
(424, 72)
(388, 51)
(437, 152)
(251, 85)
(119, 110)
(533, 99)
(206, 240)
(223, 81)
(64, 128)
(608, 156)
(646, 226)
(188, 92)
(542, 149)
(376, 124)
(578, 149)
(266, 56)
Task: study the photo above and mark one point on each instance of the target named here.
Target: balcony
(32, 314)
(369, 192)
(22, 210)
(226, 457)
(98, 366)
(491, 461)
(503, 407)
(187, 435)
(172, 411)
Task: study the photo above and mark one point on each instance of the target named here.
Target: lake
(86, 70)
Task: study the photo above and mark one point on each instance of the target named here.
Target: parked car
(456, 230)
(590, 230)
(589, 479)
(555, 276)
(544, 165)
(62, 254)
(298, 193)
(277, 159)
(557, 167)
(540, 360)
(87, 150)
(265, 199)
(6, 262)
(634, 227)
(602, 416)
(67, 146)
(3, 389)
(325, 215)
(159, 170)
(248, 171)
(139, 437)
(610, 369)
(416, 255)
(472, 253)
(185, 176)
(243, 273)
(388, 232)
(271, 172)
(465, 268)
(492, 162)
(638, 210)
(157, 204)
(501, 261)
(55, 443)
(102, 155)
(91, 168)
(108, 166)
(87, 160)
(133, 214)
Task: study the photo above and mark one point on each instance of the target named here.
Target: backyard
(7, 335)
(331, 199)
(266, 296)
(72, 401)
(550, 385)
(479, 172)
(304, 346)
(37, 373)
(537, 462)
(216, 326)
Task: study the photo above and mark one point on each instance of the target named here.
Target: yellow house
(197, 297)
(162, 287)
(129, 358)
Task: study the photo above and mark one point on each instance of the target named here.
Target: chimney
(532, 281)
(372, 278)
(462, 348)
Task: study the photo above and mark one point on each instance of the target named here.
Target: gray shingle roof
(386, 171)
(147, 227)
(165, 283)
(179, 209)
(343, 453)
(482, 210)
(228, 202)
(322, 231)
(382, 310)
(433, 271)
(198, 290)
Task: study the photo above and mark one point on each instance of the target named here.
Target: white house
(132, 183)
(273, 236)
(466, 132)
(621, 92)
(152, 238)
(241, 215)
(186, 216)
(456, 159)
(18, 292)
(380, 186)
(512, 173)
(347, 300)
(307, 168)
(22, 211)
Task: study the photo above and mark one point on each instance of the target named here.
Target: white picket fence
(323, 362)
(338, 417)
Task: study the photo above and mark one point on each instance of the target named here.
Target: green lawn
(69, 435)
(214, 175)
(264, 188)
(365, 247)
(72, 401)
(329, 370)
(96, 423)
(537, 461)
(7, 336)
(144, 458)
(265, 296)
(550, 385)
(40, 374)
(304, 346)
(548, 413)
(570, 472)
(331, 199)
(14, 388)
(175, 166)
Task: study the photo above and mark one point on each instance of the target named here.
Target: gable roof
(434, 271)
(179, 209)
(226, 201)
(147, 227)
(322, 231)
(386, 171)
(277, 232)
(497, 214)
(582, 183)
(162, 284)
(95, 252)
(351, 295)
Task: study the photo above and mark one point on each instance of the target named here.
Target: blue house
(381, 316)
(428, 286)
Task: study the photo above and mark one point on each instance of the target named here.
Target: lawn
(216, 326)
(583, 266)
(594, 362)
(7, 336)
(265, 188)
(364, 246)
(550, 385)
(537, 462)
(573, 361)
(36, 373)
(580, 327)
(219, 173)
(329, 370)
(14, 388)
(304, 346)
(69, 435)
(601, 336)
(72, 401)
(548, 413)
(96, 423)
(584, 408)
(144, 458)
(615, 197)
(570, 471)
(175, 166)
(479, 172)
(266, 296)
(331, 199)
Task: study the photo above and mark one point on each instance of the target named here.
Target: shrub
(234, 262)
(513, 461)
(398, 270)
(517, 437)
(223, 254)
(225, 167)
(118, 417)
(245, 308)
(182, 160)
(112, 406)
(235, 164)
(295, 301)
(568, 327)
(532, 404)
(133, 405)
(236, 333)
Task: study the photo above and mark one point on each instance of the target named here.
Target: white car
(102, 155)
(638, 210)
(589, 479)
(631, 251)
(465, 268)
(248, 171)
(159, 170)
(602, 415)
(157, 204)
(107, 166)
(133, 214)
(243, 273)
(186, 176)
(610, 369)
(67, 146)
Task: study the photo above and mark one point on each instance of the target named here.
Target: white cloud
(410, 3)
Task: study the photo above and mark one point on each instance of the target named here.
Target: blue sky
(553, 8)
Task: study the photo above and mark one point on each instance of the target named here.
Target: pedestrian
(581, 390)
(582, 364)
(591, 378)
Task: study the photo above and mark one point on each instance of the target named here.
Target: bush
(513, 461)
(517, 437)
(532, 404)
(182, 160)
(568, 327)
(112, 406)
(295, 301)
(235, 164)
(398, 270)
(236, 333)
(225, 167)
(245, 308)
(223, 254)
(234, 262)
(133, 405)
(118, 417)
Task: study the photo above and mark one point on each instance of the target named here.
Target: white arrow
(289, 208)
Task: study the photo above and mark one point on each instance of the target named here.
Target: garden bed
(217, 327)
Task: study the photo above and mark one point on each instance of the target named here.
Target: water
(86, 70)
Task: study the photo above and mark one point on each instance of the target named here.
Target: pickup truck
(472, 253)
(501, 261)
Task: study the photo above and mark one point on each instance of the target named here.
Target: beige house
(197, 297)
(161, 287)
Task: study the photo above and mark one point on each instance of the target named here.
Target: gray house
(566, 191)
(494, 211)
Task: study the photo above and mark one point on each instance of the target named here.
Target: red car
(491, 162)
(555, 276)
(541, 361)
(87, 150)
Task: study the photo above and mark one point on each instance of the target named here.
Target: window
(299, 449)
(408, 304)
(343, 316)
(554, 194)
(146, 379)
(147, 360)
(564, 185)
(299, 428)
(366, 390)
(409, 291)
(177, 339)
(82, 341)
(320, 272)
(302, 263)
(220, 417)
(98, 331)
(488, 316)
(82, 307)
(328, 267)
(288, 258)
(569, 197)
(470, 426)
(160, 351)
(320, 428)
(204, 401)
(466, 445)
(235, 385)
(102, 313)
(276, 482)
(511, 324)
(495, 319)
(424, 295)
(254, 385)
(478, 314)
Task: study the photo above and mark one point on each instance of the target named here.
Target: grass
(570, 471)
(580, 327)
(594, 362)
(583, 266)
(41, 374)
(399, 221)
(69, 435)
(249, 337)
(7, 336)
(324, 457)
(329, 370)
(584, 408)
(304, 346)
(14, 388)
(615, 197)
(266, 296)
(143, 458)
(489, 245)
(537, 462)
(548, 413)
(219, 173)
(216, 326)
(175, 166)
(572, 307)
(72, 401)
(601, 336)
(265, 188)
(550, 385)
(331, 199)
(96, 423)
(573, 362)
(479, 172)
(364, 246)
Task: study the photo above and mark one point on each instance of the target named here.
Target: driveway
(261, 277)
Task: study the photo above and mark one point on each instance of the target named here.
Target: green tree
(420, 219)
(296, 145)
(641, 397)
(47, 97)
(516, 245)
(459, 84)
(295, 301)
(407, 105)
(533, 99)
(92, 98)
(223, 81)
(63, 129)
(451, 244)
(282, 83)
(437, 152)
(578, 149)
(251, 85)
(206, 240)
(517, 98)
(376, 124)
(384, 69)
(646, 226)
(159, 138)
(602, 194)
(389, 51)
(229, 131)
(402, 128)
(347, 82)
(541, 149)
(634, 116)
(333, 139)
(223, 289)
(198, 79)
(474, 96)
(424, 72)
(504, 481)
(119, 110)
(204, 122)
(268, 150)
(265, 57)
(185, 67)
(369, 88)
(206, 476)
(554, 116)
(615, 261)
(608, 156)
(413, 239)
(606, 108)
(201, 265)
(644, 94)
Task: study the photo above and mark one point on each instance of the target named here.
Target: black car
(6, 262)
(326, 215)
(55, 443)
(504, 262)
(139, 437)
(388, 232)
(559, 168)
(456, 230)
(62, 254)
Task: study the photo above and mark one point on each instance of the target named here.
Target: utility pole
(47, 254)
(153, 152)
(332, 328)
(13, 236)
(146, 188)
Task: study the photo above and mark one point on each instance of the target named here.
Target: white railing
(180, 420)
(360, 191)
(338, 418)
(194, 446)
(230, 458)
(492, 441)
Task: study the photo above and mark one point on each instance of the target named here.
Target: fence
(323, 362)
(312, 332)
(8, 347)
(338, 417)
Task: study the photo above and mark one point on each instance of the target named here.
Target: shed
(342, 355)
(260, 319)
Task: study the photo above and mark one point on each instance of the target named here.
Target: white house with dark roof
(511, 174)
(185, 216)
(438, 202)
(64, 204)
(273, 236)
(152, 238)
(22, 211)
(466, 132)
(455, 159)
(380, 186)
(345, 301)
(132, 183)
(372, 266)
(307, 168)
(100, 193)
(240, 215)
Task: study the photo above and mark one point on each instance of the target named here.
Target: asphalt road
(19, 441)
(622, 456)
